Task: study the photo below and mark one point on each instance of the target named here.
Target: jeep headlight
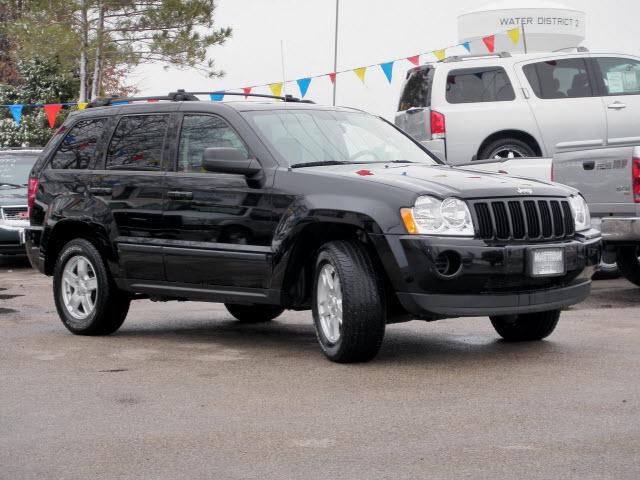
(581, 215)
(431, 216)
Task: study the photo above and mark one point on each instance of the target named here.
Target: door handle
(588, 165)
(177, 195)
(101, 190)
(617, 105)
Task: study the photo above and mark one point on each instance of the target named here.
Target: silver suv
(502, 106)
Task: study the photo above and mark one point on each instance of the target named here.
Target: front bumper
(492, 278)
(12, 238)
(620, 229)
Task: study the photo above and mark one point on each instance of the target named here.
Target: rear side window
(200, 132)
(138, 143)
(620, 76)
(417, 90)
(567, 78)
(78, 148)
(473, 85)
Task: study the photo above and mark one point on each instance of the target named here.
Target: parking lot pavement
(183, 391)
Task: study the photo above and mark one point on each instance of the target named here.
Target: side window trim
(180, 123)
(47, 164)
(593, 83)
(488, 69)
(599, 76)
(163, 159)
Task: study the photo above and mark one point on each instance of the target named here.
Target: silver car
(523, 105)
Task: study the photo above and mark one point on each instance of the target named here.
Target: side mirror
(229, 160)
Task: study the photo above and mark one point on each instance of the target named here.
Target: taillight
(635, 179)
(31, 193)
(438, 129)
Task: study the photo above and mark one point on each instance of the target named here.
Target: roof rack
(460, 58)
(579, 49)
(184, 96)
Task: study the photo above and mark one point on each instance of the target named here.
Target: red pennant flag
(415, 60)
(153, 100)
(332, 76)
(52, 111)
(247, 91)
(489, 42)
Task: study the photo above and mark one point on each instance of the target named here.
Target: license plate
(547, 262)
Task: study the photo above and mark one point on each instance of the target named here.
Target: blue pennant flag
(467, 46)
(303, 84)
(217, 97)
(16, 111)
(123, 102)
(387, 68)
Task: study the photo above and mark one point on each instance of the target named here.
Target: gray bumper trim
(620, 229)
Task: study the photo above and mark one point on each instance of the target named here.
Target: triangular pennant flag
(467, 46)
(52, 111)
(387, 68)
(332, 77)
(489, 42)
(439, 54)
(276, 89)
(124, 102)
(415, 60)
(16, 111)
(514, 35)
(216, 97)
(82, 105)
(153, 100)
(303, 84)
(246, 91)
(360, 72)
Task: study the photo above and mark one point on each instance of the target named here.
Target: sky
(370, 32)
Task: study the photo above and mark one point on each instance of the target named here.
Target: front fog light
(581, 215)
(432, 216)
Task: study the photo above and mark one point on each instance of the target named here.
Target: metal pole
(335, 54)
(524, 39)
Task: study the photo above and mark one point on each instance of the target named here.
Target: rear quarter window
(78, 148)
(476, 85)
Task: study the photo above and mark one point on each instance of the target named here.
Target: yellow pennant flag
(276, 89)
(439, 54)
(82, 105)
(514, 34)
(360, 72)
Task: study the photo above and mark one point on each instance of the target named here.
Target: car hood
(13, 196)
(444, 180)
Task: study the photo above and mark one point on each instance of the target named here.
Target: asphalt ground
(184, 391)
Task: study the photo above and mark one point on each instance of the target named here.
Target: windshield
(15, 169)
(316, 137)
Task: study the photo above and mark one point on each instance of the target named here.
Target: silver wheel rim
(329, 303)
(508, 153)
(79, 287)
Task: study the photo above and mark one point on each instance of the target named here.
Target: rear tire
(253, 313)
(506, 148)
(526, 327)
(348, 303)
(629, 263)
(86, 297)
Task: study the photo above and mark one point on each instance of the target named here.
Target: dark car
(15, 165)
(267, 206)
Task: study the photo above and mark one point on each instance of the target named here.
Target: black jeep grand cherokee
(270, 206)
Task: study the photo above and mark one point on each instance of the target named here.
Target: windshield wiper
(319, 164)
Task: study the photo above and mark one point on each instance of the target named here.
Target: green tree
(42, 81)
(102, 36)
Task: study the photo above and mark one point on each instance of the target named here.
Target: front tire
(629, 263)
(506, 148)
(253, 313)
(526, 327)
(348, 303)
(87, 299)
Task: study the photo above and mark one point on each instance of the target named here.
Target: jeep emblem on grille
(525, 191)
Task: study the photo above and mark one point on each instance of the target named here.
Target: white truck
(609, 179)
